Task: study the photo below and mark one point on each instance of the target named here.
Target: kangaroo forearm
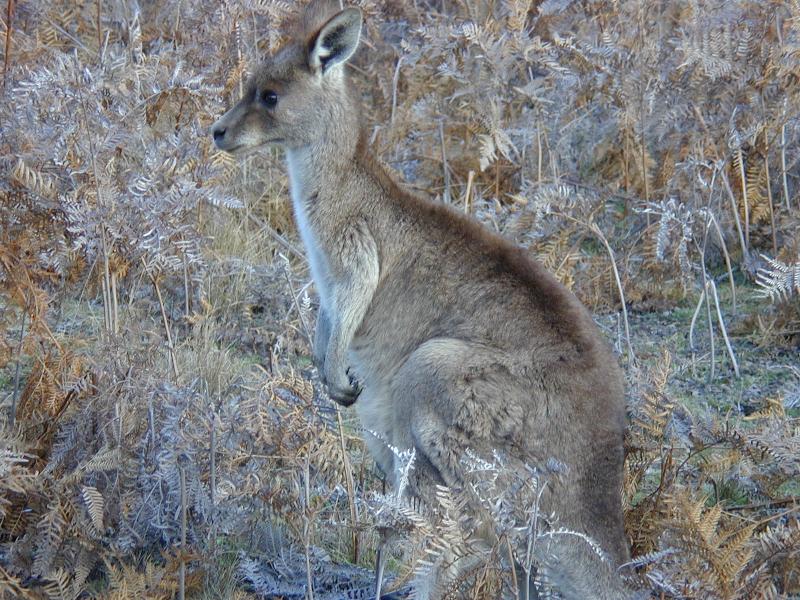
(355, 278)
(354, 301)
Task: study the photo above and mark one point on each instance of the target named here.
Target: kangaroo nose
(219, 133)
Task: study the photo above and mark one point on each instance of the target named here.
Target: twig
(723, 329)
(99, 30)
(109, 295)
(769, 196)
(380, 563)
(351, 491)
(395, 81)
(307, 526)
(16, 369)
(735, 211)
(444, 163)
(212, 531)
(468, 193)
(710, 328)
(182, 569)
(7, 57)
(708, 302)
(641, 19)
(596, 230)
(539, 151)
(171, 346)
(278, 237)
(745, 200)
(644, 159)
(783, 168)
(724, 247)
(767, 504)
(517, 593)
(186, 297)
(692, 348)
(67, 34)
(114, 304)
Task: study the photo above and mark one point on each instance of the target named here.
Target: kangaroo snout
(218, 131)
(225, 131)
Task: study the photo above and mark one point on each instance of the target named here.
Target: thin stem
(395, 81)
(171, 346)
(7, 57)
(17, 369)
(213, 478)
(723, 329)
(783, 168)
(468, 193)
(708, 301)
(514, 577)
(735, 211)
(710, 330)
(380, 564)
(278, 237)
(769, 196)
(692, 347)
(539, 152)
(444, 163)
(114, 304)
(351, 491)
(99, 30)
(596, 230)
(724, 247)
(307, 517)
(186, 296)
(744, 197)
(182, 571)
(107, 292)
(593, 227)
(106, 305)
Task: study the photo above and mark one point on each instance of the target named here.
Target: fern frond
(778, 281)
(51, 529)
(95, 504)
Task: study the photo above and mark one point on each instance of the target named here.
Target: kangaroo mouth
(246, 149)
(233, 149)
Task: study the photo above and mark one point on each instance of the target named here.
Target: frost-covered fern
(778, 280)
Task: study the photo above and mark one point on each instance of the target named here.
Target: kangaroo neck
(318, 170)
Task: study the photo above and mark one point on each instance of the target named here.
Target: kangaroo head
(299, 95)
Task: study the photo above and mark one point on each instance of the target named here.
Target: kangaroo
(444, 335)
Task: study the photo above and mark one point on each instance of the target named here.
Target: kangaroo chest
(300, 191)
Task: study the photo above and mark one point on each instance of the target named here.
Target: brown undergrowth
(161, 430)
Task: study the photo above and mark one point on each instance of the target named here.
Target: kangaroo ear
(336, 42)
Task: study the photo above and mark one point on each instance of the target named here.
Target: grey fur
(459, 339)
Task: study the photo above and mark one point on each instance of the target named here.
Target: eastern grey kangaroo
(445, 336)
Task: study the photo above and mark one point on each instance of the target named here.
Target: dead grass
(126, 460)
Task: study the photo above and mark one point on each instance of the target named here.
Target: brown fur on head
(296, 97)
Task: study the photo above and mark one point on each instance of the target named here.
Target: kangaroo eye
(269, 98)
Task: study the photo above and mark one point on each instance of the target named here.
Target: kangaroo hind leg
(451, 396)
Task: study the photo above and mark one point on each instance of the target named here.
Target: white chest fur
(300, 186)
